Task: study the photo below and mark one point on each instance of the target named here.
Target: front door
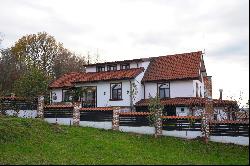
(89, 97)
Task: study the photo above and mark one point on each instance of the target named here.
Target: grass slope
(29, 141)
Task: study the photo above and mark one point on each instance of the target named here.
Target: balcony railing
(88, 104)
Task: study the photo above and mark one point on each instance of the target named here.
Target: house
(180, 80)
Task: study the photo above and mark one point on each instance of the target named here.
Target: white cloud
(126, 29)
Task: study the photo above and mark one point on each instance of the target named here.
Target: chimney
(221, 90)
(208, 86)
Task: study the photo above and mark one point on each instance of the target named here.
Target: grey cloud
(154, 38)
(233, 49)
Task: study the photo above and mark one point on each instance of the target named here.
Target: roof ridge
(178, 54)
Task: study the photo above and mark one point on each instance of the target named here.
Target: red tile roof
(134, 113)
(97, 109)
(180, 117)
(188, 101)
(67, 80)
(174, 67)
(111, 75)
(59, 106)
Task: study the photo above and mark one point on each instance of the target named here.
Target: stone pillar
(115, 122)
(206, 118)
(40, 107)
(205, 127)
(158, 123)
(76, 113)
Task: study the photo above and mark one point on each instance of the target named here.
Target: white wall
(22, 113)
(200, 88)
(150, 89)
(103, 100)
(100, 125)
(91, 69)
(140, 130)
(137, 81)
(133, 65)
(186, 111)
(181, 88)
(182, 134)
(61, 121)
(229, 139)
(58, 94)
(177, 89)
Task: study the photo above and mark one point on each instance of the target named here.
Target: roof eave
(176, 79)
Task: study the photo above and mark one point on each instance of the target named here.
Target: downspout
(131, 97)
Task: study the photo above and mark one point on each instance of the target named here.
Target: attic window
(100, 68)
(111, 67)
(200, 92)
(197, 89)
(164, 90)
(125, 66)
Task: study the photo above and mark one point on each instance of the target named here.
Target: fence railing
(99, 114)
(135, 119)
(17, 103)
(229, 128)
(219, 127)
(58, 113)
(186, 123)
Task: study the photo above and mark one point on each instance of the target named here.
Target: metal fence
(229, 128)
(181, 123)
(58, 112)
(10, 103)
(135, 119)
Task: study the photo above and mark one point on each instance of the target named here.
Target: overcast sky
(127, 29)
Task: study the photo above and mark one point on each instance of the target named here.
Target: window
(116, 91)
(164, 90)
(125, 66)
(197, 89)
(215, 116)
(111, 67)
(67, 95)
(200, 92)
(182, 109)
(100, 68)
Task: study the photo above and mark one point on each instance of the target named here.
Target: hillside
(32, 141)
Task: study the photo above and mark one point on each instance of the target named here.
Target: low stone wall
(228, 139)
(61, 121)
(139, 130)
(135, 122)
(182, 134)
(100, 125)
(22, 113)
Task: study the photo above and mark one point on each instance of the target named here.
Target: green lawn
(28, 141)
